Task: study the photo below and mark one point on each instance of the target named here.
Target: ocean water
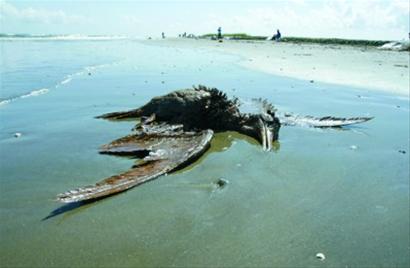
(344, 193)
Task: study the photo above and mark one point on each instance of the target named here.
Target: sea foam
(67, 79)
(32, 93)
(37, 92)
(74, 37)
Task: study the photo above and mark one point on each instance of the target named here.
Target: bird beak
(265, 135)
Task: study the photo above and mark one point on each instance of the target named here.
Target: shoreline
(300, 40)
(361, 67)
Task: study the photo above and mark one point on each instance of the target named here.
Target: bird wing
(163, 151)
(320, 122)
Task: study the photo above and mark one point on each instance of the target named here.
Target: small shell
(321, 256)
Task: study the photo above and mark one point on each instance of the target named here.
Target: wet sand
(340, 192)
(362, 67)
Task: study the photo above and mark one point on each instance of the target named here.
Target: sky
(356, 19)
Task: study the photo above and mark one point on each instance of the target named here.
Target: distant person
(184, 35)
(277, 36)
(219, 33)
(163, 35)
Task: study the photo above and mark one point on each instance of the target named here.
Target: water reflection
(73, 208)
(220, 143)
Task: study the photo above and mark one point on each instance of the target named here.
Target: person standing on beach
(277, 36)
(163, 35)
(219, 33)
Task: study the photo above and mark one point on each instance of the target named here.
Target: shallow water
(344, 193)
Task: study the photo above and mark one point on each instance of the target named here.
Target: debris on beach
(397, 46)
(401, 65)
(221, 182)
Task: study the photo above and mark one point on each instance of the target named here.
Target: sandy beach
(367, 68)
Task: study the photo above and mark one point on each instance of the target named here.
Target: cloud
(9, 11)
(373, 14)
(131, 19)
(365, 19)
(330, 18)
(402, 6)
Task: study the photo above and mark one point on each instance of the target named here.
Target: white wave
(403, 98)
(98, 66)
(88, 37)
(74, 37)
(86, 70)
(33, 93)
(67, 79)
(3, 102)
(37, 92)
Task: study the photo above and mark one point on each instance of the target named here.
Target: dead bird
(177, 128)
